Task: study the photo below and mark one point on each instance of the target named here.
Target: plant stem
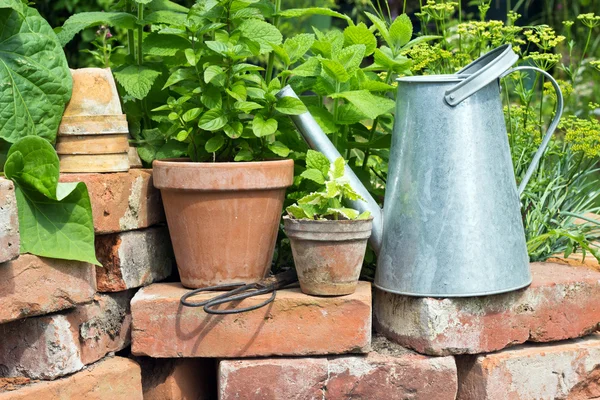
(140, 15)
(271, 62)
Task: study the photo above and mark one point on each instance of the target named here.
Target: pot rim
(181, 174)
(327, 221)
(184, 162)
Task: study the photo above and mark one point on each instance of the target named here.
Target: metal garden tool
(451, 224)
(240, 291)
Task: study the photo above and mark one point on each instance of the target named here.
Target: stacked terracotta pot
(93, 135)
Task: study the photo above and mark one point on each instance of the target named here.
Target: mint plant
(327, 202)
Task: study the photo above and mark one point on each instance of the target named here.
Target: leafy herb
(326, 203)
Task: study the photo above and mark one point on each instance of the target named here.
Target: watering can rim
(440, 78)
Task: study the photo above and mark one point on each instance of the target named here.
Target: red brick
(565, 370)
(133, 259)
(403, 375)
(114, 378)
(9, 222)
(561, 303)
(121, 201)
(294, 324)
(178, 379)
(32, 285)
(55, 345)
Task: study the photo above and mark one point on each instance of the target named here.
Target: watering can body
(451, 224)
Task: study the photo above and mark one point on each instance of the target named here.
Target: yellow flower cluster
(494, 32)
(438, 11)
(565, 87)
(595, 64)
(543, 36)
(583, 134)
(425, 55)
(544, 61)
(590, 20)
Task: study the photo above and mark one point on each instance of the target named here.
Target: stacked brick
(61, 322)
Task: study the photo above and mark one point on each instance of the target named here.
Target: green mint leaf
(212, 120)
(244, 155)
(281, 53)
(401, 31)
(234, 130)
(179, 75)
(335, 70)
(290, 106)
(137, 80)
(384, 58)
(214, 143)
(336, 170)
(246, 106)
(55, 219)
(261, 128)
(360, 34)
(238, 91)
(279, 148)
(332, 190)
(78, 22)
(191, 114)
(364, 215)
(304, 12)
(381, 27)
(314, 175)
(166, 17)
(214, 74)
(351, 57)
(315, 198)
(370, 105)
(162, 45)
(349, 114)
(312, 67)
(324, 118)
(297, 46)
(347, 213)
(211, 97)
(297, 212)
(216, 46)
(316, 160)
(261, 32)
(36, 81)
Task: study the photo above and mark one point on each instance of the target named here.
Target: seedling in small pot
(328, 240)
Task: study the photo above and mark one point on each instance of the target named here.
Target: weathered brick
(9, 222)
(121, 201)
(133, 259)
(565, 370)
(294, 324)
(32, 285)
(55, 345)
(178, 379)
(577, 260)
(561, 303)
(397, 375)
(114, 378)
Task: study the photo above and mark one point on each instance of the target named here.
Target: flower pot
(328, 254)
(93, 134)
(223, 217)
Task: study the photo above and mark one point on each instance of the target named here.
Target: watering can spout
(318, 140)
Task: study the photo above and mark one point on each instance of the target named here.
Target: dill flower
(582, 134)
(590, 20)
(543, 61)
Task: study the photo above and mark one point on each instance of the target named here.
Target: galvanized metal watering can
(451, 224)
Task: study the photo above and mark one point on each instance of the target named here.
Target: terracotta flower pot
(328, 254)
(223, 217)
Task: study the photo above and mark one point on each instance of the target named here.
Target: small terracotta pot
(223, 217)
(328, 254)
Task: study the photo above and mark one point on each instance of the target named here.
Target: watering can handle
(551, 128)
(481, 73)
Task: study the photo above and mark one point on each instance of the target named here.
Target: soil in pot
(328, 254)
(223, 217)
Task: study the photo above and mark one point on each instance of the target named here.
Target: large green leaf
(261, 32)
(401, 31)
(55, 219)
(370, 105)
(304, 12)
(360, 34)
(137, 80)
(35, 81)
(79, 22)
